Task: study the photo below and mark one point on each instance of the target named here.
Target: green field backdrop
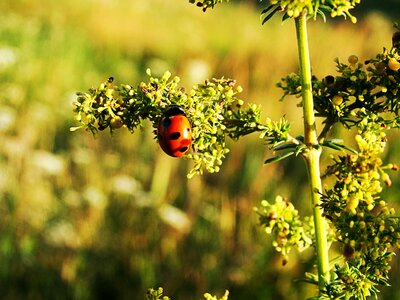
(109, 217)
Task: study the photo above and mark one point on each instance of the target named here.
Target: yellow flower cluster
(282, 221)
(294, 8)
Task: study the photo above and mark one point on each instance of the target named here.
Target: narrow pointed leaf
(265, 10)
(322, 14)
(278, 157)
(349, 149)
(285, 146)
(270, 15)
(73, 129)
(300, 138)
(299, 149)
(339, 147)
(285, 17)
(332, 145)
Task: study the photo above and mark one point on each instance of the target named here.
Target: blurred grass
(106, 218)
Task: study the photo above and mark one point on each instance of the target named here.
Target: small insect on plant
(174, 132)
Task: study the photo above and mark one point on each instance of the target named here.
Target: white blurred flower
(62, 233)
(124, 185)
(49, 163)
(174, 217)
(95, 197)
(196, 70)
(7, 57)
(7, 118)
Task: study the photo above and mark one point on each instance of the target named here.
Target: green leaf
(285, 17)
(270, 15)
(300, 138)
(311, 277)
(73, 129)
(299, 149)
(336, 146)
(322, 14)
(279, 157)
(332, 145)
(265, 10)
(285, 146)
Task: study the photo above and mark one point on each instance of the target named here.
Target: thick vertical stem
(312, 154)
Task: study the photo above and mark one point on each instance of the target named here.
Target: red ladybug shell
(174, 132)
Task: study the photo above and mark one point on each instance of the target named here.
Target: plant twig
(313, 151)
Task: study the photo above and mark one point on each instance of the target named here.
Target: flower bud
(337, 100)
(386, 179)
(353, 59)
(393, 64)
(116, 122)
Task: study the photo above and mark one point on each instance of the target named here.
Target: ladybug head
(174, 110)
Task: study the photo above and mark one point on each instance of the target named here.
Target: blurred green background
(107, 218)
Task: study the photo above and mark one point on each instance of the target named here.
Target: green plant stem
(313, 151)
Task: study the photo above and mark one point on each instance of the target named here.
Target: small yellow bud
(116, 122)
(353, 59)
(166, 76)
(393, 64)
(386, 179)
(347, 180)
(337, 100)
(352, 204)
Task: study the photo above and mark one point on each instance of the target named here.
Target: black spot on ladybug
(166, 122)
(183, 149)
(174, 135)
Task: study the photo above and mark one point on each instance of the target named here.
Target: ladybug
(174, 132)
